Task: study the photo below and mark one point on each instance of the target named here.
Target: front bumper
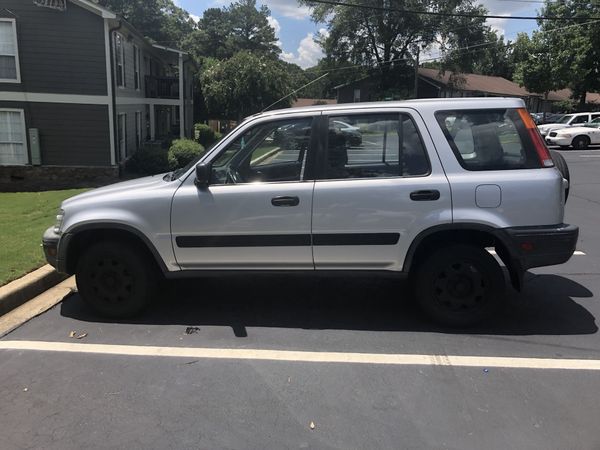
(540, 246)
(50, 241)
(558, 141)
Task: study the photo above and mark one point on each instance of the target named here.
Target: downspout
(114, 90)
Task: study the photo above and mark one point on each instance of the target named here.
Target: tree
(244, 84)
(159, 20)
(387, 37)
(574, 44)
(221, 33)
(538, 70)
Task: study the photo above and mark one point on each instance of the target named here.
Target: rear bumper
(540, 246)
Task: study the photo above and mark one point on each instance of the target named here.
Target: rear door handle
(285, 201)
(423, 196)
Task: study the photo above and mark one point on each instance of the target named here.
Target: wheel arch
(76, 239)
(467, 233)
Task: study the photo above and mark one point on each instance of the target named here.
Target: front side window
(374, 146)
(13, 148)
(493, 139)
(119, 60)
(9, 59)
(268, 152)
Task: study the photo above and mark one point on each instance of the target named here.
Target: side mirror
(203, 172)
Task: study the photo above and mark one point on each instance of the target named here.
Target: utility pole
(416, 89)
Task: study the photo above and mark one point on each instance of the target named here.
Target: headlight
(59, 221)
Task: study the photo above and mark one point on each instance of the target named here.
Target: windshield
(565, 119)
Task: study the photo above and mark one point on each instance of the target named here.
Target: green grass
(24, 216)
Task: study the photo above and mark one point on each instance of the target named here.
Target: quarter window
(9, 58)
(268, 152)
(374, 146)
(136, 67)
(493, 139)
(13, 148)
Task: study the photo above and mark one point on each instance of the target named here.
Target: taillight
(536, 138)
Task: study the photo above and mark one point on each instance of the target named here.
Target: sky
(296, 31)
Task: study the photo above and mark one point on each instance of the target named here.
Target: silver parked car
(430, 186)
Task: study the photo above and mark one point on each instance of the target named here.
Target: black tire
(563, 168)
(580, 142)
(459, 285)
(115, 279)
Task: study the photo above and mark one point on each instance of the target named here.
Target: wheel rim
(460, 287)
(111, 281)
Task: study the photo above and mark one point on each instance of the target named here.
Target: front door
(378, 187)
(256, 211)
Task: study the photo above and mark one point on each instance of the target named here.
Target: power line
(443, 14)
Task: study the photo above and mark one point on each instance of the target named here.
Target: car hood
(136, 184)
(571, 130)
(553, 126)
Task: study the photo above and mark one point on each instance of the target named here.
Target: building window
(138, 129)
(136, 67)
(122, 135)
(120, 60)
(9, 55)
(13, 142)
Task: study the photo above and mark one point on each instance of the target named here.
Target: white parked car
(578, 137)
(569, 120)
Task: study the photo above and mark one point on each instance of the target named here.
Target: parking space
(284, 362)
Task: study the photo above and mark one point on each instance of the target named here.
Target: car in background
(353, 133)
(568, 120)
(577, 137)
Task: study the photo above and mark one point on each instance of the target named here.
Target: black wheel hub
(460, 286)
(111, 281)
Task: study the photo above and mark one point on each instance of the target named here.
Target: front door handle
(422, 196)
(285, 201)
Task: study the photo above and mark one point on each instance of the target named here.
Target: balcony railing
(162, 87)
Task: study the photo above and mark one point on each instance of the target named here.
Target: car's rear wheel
(115, 279)
(563, 168)
(580, 142)
(459, 285)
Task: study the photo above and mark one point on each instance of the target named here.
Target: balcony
(162, 87)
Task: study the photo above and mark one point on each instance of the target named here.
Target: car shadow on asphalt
(544, 307)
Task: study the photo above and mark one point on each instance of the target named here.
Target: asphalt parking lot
(283, 362)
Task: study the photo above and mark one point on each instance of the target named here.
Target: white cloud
(275, 24)
(288, 8)
(499, 25)
(309, 52)
(195, 17)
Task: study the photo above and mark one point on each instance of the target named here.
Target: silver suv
(417, 188)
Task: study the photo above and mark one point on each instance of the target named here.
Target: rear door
(379, 184)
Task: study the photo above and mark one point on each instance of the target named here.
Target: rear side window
(491, 139)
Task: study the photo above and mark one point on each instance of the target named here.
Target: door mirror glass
(203, 171)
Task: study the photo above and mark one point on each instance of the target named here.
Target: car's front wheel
(580, 142)
(459, 285)
(115, 279)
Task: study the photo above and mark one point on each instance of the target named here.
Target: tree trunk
(582, 98)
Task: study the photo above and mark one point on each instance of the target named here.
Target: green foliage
(160, 20)
(244, 84)
(148, 160)
(384, 39)
(206, 136)
(224, 32)
(539, 71)
(574, 45)
(183, 151)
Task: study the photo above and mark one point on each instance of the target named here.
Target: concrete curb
(17, 292)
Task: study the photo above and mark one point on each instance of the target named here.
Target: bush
(148, 160)
(206, 135)
(183, 151)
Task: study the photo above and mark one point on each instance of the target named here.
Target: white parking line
(306, 356)
(576, 252)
